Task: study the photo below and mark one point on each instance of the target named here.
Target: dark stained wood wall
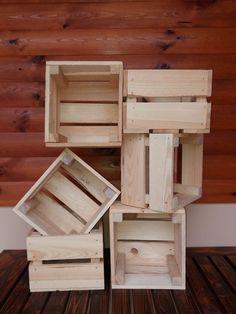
(150, 34)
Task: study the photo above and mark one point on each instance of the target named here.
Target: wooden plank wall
(164, 34)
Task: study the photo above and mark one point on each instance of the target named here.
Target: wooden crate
(149, 167)
(83, 103)
(147, 248)
(167, 99)
(66, 262)
(69, 198)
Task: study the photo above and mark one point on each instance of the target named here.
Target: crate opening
(147, 251)
(84, 105)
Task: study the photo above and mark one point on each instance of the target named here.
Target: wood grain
(28, 69)
(113, 41)
(116, 15)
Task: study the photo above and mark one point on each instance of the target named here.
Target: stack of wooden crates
(158, 118)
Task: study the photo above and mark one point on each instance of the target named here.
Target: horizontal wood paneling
(116, 15)
(32, 69)
(119, 41)
(19, 94)
(31, 119)
(31, 168)
(143, 34)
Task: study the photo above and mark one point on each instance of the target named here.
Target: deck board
(211, 288)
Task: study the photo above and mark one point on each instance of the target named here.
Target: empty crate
(167, 100)
(83, 103)
(69, 198)
(149, 166)
(147, 248)
(66, 262)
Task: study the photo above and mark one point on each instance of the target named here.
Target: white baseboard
(207, 225)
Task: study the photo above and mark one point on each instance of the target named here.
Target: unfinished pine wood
(169, 83)
(68, 276)
(70, 197)
(66, 247)
(133, 170)
(66, 262)
(192, 161)
(166, 115)
(168, 99)
(147, 251)
(148, 170)
(161, 171)
(83, 103)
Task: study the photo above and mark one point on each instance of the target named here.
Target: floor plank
(143, 302)
(217, 284)
(120, 301)
(99, 302)
(35, 303)
(226, 270)
(207, 301)
(11, 268)
(57, 302)
(18, 297)
(210, 288)
(77, 302)
(184, 301)
(164, 302)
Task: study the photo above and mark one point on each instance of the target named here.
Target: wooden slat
(145, 253)
(145, 230)
(89, 113)
(161, 167)
(88, 180)
(52, 213)
(133, 170)
(41, 248)
(72, 196)
(89, 91)
(97, 136)
(158, 115)
(69, 276)
(171, 83)
(192, 162)
(149, 41)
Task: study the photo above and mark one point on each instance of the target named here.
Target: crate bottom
(148, 281)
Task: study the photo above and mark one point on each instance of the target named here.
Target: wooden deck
(211, 288)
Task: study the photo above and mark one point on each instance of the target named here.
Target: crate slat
(57, 205)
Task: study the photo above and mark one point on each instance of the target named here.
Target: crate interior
(67, 200)
(88, 99)
(148, 248)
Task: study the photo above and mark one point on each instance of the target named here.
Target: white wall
(207, 225)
